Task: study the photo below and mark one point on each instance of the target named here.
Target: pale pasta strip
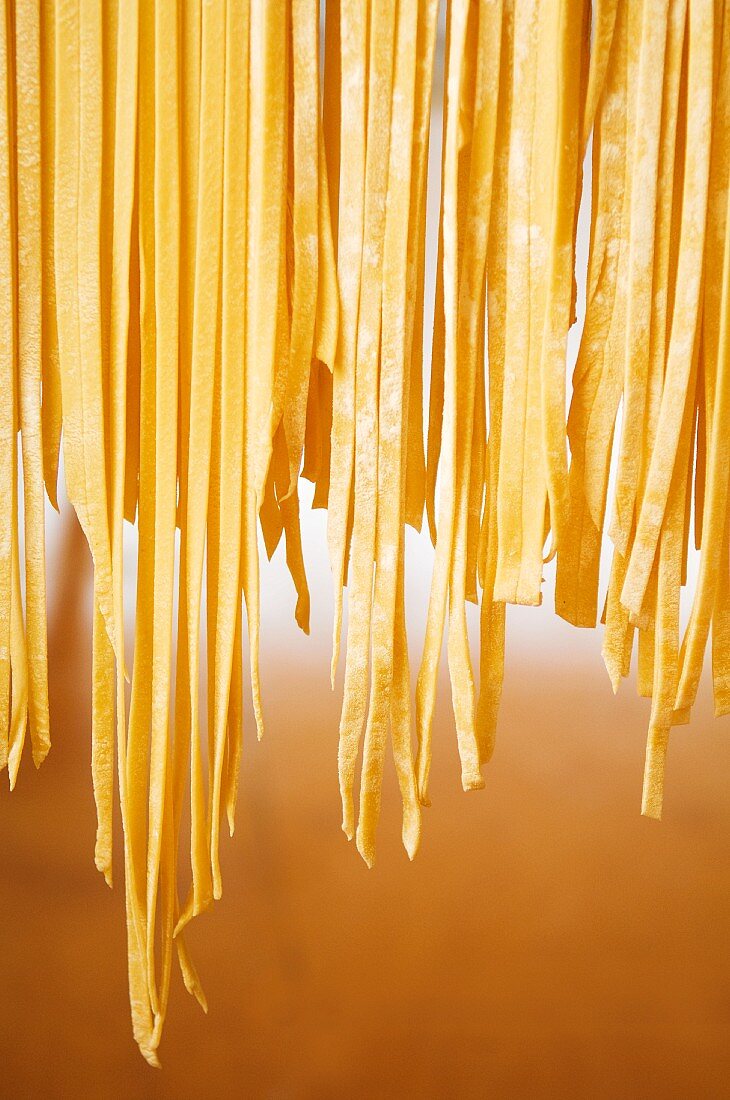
(393, 398)
(7, 375)
(352, 27)
(29, 269)
(365, 502)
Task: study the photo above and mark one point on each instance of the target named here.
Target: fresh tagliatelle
(213, 274)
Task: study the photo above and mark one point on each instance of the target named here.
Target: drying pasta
(214, 273)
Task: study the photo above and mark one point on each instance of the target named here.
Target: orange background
(547, 940)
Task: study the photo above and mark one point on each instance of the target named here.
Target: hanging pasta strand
(91, 452)
(393, 401)
(425, 48)
(29, 276)
(598, 371)
(470, 112)
(163, 401)
(103, 678)
(202, 379)
(267, 116)
(710, 600)
(352, 28)
(492, 613)
(82, 380)
(521, 489)
(124, 227)
(570, 28)
(604, 18)
(367, 348)
(426, 688)
(23, 692)
(230, 444)
(137, 779)
(642, 233)
(305, 188)
(437, 365)
(318, 428)
(186, 762)
(51, 413)
(18, 716)
(7, 372)
(469, 352)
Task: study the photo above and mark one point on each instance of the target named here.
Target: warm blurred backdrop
(546, 942)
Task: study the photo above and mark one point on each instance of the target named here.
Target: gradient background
(546, 942)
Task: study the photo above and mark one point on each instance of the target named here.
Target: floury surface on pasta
(212, 273)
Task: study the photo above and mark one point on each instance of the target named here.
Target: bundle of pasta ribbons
(655, 342)
(373, 478)
(512, 152)
(212, 273)
(184, 254)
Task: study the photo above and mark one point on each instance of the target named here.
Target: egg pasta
(214, 280)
